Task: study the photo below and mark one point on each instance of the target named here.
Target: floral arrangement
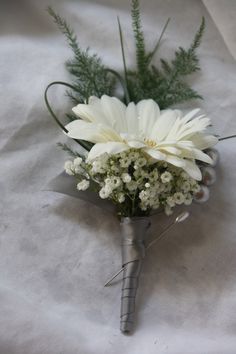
(138, 151)
(145, 159)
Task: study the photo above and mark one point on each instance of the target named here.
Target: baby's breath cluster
(135, 183)
(78, 168)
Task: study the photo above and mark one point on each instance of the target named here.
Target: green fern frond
(186, 62)
(88, 70)
(179, 93)
(65, 29)
(72, 97)
(141, 58)
(166, 85)
(198, 37)
(67, 149)
(165, 67)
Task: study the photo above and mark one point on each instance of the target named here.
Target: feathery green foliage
(91, 76)
(165, 85)
(141, 58)
(67, 149)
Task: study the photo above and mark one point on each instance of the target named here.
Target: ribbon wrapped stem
(133, 232)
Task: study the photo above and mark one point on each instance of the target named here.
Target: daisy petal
(131, 117)
(196, 154)
(201, 156)
(190, 114)
(176, 161)
(136, 144)
(95, 133)
(78, 129)
(148, 113)
(110, 148)
(171, 149)
(156, 154)
(90, 113)
(203, 142)
(114, 110)
(163, 125)
(193, 170)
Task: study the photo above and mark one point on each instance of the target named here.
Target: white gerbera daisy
(166, 135)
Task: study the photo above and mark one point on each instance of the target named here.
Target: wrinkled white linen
(223, 14)
(56, 252)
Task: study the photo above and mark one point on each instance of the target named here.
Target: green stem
(82, 143)
(123, 84)
(123, 52)
(227, 137)
(150, 56)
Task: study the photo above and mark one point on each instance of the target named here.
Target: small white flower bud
(68, 166)
(121, 198)
(83, 185)
(126, 178)
(77, 161)
(166, 177)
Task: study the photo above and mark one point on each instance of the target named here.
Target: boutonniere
(137, 153)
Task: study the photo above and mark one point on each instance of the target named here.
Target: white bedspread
(56, 252)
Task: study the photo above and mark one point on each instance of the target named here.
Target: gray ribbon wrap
(65, 184)
(133, 233)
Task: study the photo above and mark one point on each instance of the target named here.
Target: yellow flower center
(150, 143)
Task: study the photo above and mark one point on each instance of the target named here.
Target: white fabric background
(223, 14)
(56, 252)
